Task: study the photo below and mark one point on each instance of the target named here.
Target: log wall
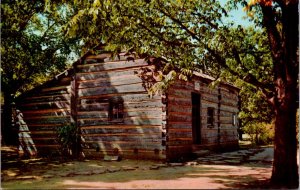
(43, 111)
(108, 101)
(103, 82)
(222, 134)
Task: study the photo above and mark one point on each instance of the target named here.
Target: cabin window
(234, 119)
(116, 111)
(210, 116)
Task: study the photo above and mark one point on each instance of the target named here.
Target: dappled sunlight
(108, 86)
(172, 178)
(124, 174)
(146, 184)
(26, 144)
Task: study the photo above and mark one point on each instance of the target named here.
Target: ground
(250, 168)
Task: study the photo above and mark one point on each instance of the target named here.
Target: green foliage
(260, 133)
(67, 137)
(34, 48)
(189, 36)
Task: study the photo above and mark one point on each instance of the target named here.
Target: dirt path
(205, 173)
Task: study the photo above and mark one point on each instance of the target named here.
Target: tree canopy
(33, 47)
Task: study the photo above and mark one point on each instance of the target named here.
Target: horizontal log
(43, 135)
(126, 121)
(120, 130)
(180, 84)
(179, 118)
(174, 130)
(93, 114)
(42, 98)
(209, 97)
(111, 66)
(44, 125)
(153, 138)
(138, 87)
(40, 141)
(206, 104)
(142, 109)
(179, 125)
(204, 89)
(45, 128)
(121, 134)
(37, 132)
(120, 126)
(180, 142)
(126, 146)
(55, 88)
(185, 100)
(179, 149)
(109, 74)
(181, 93)
(124, 80)
(50, 105)
(229, 109)
(144, 114)
(150, 105)
(210, 141)
(37, 138)
(98, 56)
(49, 121)
(93, 107)
(179, 113)
(122, 152)
(178, 134)
(105, 57)
(48, 117)
(52, 93)
(110, 95)
(26, 104)
(183, 109)
(128, 107)
(45, 111)
(47, 146)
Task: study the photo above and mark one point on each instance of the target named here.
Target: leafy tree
(191, 35)
(33, 49)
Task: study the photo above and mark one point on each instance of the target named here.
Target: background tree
(33, 49)
(191, 35)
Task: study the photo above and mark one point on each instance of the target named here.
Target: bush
(260, 133)
(67, 138)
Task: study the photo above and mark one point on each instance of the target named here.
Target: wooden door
(196, 118)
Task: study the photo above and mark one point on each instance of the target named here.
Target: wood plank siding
(138, 132)
(42, 111)
(221, 134)
(107, 100)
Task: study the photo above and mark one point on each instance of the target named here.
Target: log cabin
(107, 100)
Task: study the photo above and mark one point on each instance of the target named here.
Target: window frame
(210, 117)
(116, 111)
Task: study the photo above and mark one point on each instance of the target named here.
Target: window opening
(210, 117)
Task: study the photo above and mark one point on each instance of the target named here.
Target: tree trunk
(284, 47)
(285, 168)
(9, 133)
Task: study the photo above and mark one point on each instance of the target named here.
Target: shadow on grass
(42, 173)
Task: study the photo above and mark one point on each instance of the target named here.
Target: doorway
(196, 118)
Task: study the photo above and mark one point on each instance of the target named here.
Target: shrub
(260, 133)
(67, 138)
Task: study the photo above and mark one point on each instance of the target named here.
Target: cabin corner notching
(108, 100)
